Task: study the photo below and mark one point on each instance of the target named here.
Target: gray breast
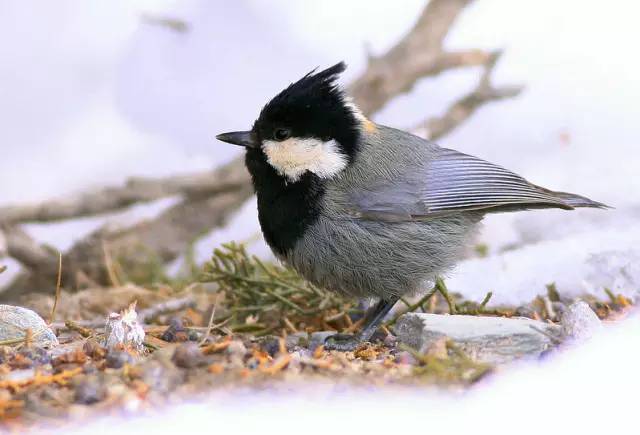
(344, 252)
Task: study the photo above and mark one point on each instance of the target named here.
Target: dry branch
(134, 191)
(23, 248)
(210, 199)
(419, 54)
(463, 108)
(162, 239)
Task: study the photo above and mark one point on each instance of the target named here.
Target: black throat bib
(285, 209)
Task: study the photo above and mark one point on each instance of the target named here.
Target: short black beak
(242, 138)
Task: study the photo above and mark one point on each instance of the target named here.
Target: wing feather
(453, 182)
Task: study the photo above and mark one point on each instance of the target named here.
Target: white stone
(15, 321)
(494, 340)
(579, 322)
(123, 329)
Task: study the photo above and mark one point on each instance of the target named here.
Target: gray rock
(579, 322)
(14, 321)
(494, 340)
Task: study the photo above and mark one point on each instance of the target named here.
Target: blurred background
(94, 93)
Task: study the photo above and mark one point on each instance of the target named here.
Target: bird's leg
(373, 318)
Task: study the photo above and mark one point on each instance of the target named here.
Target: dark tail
(576, 201)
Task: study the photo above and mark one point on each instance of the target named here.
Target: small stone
(236, 348)
(437, 349)
(524, 311)
(37, 355)
(270, 344)
(161, 376)
(297, 339)
(405, 358)
(76, 357)
(378, 336)
(390, 340)
(89, 391)
(93, 349)
(116, 359)
(176, 332)
(493, 340)
(188, 355)
(16, 320)
(579, 322)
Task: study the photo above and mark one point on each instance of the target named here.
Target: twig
(26, 250)
(555, 339)
(413, 307)
(463, 108)
(442, 288)
(210, 323)
(166, 307)
(57, 295)
(420, 53)
(134, 191)
(73, 326)
(486, 299)
(108, 265)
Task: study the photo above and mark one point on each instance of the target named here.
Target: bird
(367, 210)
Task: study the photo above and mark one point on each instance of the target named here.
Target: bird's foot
(341, 342)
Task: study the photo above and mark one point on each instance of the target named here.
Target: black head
(313, 107)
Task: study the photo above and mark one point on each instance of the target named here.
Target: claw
(341, 342)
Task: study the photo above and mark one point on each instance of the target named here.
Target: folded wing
(454, 182)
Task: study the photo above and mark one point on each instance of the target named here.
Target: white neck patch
(294, 156)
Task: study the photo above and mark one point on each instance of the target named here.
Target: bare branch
(466, 106)
(144, 316)
(21, 247)
(134, 191)
(136, 248)
(419, 54)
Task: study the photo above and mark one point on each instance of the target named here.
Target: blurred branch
(161, 239)
(210, 199)
(21, 247)
(463, 108)
(135, 190)
(419, 54)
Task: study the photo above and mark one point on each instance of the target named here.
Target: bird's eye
(281, 134)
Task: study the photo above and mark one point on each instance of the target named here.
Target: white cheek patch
(294, 156)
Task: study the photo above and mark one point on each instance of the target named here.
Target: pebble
(37, 355)
(579, 322)
(116, 359)
(176, 332)
(188, 355)
(16, 320)
(89, 391)
(94, 350)
(236, 349)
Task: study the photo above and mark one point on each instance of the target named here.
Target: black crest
(314, 106)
